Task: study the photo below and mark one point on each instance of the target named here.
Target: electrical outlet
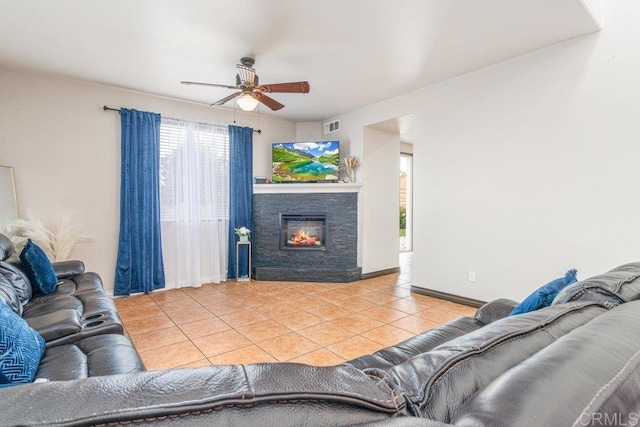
(472, 276)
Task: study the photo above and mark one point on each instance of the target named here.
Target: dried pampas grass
(21, 229)
(67, 235)
(57, 244)
(349, 165)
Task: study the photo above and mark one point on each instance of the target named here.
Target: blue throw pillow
(543, 297)
(38, 268)
(21, 348)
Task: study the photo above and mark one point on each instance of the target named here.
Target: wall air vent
(331, 127)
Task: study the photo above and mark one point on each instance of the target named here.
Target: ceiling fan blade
(210, 84)
(292, 87)
(269, 102)
(226, 99)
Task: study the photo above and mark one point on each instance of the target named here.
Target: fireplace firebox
(303, 232)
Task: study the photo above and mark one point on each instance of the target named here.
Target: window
(194, 202)
(202, 149)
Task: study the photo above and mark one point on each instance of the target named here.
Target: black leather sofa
(78, 321)
(573, 363)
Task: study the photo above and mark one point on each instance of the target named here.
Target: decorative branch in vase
(349, 165)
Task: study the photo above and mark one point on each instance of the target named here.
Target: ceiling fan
(250, 92)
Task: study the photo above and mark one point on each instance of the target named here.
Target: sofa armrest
(66, 269)
(495, 310)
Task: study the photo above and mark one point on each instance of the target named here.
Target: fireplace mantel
(315, 187)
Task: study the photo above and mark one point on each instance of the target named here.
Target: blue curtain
(139, 266)
(240, 194)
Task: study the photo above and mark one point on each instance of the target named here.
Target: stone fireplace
(305, 232)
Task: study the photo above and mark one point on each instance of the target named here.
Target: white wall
(527, 168)
(65, 151)
(380, 199)
(530, 167)
(309, 131)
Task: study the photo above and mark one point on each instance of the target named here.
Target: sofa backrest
(18, 280)
(614, 287)
(282, 394)
(391, 356)
(437, 383)
(14, 275)
(9, 295)
(6, 248)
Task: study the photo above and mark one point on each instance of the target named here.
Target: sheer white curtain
(194, 200)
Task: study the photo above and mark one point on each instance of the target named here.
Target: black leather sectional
(576, 363)
(78, 321)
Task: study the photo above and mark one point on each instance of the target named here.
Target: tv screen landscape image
(305, 161)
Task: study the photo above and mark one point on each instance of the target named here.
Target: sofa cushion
(21, 348)
(38, 268)
(543, 296)
(53, 326)
(85, 302)
(98, 355)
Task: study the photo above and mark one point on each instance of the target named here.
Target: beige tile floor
(250, 322)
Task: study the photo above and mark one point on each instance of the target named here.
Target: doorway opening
(406, 202)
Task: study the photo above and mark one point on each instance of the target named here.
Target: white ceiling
(352, 52)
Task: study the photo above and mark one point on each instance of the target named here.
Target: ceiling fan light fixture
(249, 93)
(247, 102)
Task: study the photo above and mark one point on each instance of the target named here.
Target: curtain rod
(105, 108)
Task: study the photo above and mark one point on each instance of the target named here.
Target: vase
(244, 238)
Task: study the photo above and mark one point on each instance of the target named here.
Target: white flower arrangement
(243, 231)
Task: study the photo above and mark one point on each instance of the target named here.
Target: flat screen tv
(305, 161)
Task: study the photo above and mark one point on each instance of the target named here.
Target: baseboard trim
(381, 273)
(448, 297)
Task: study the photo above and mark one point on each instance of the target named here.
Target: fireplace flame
(302, 238)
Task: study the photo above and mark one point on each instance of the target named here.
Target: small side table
(248, 276)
